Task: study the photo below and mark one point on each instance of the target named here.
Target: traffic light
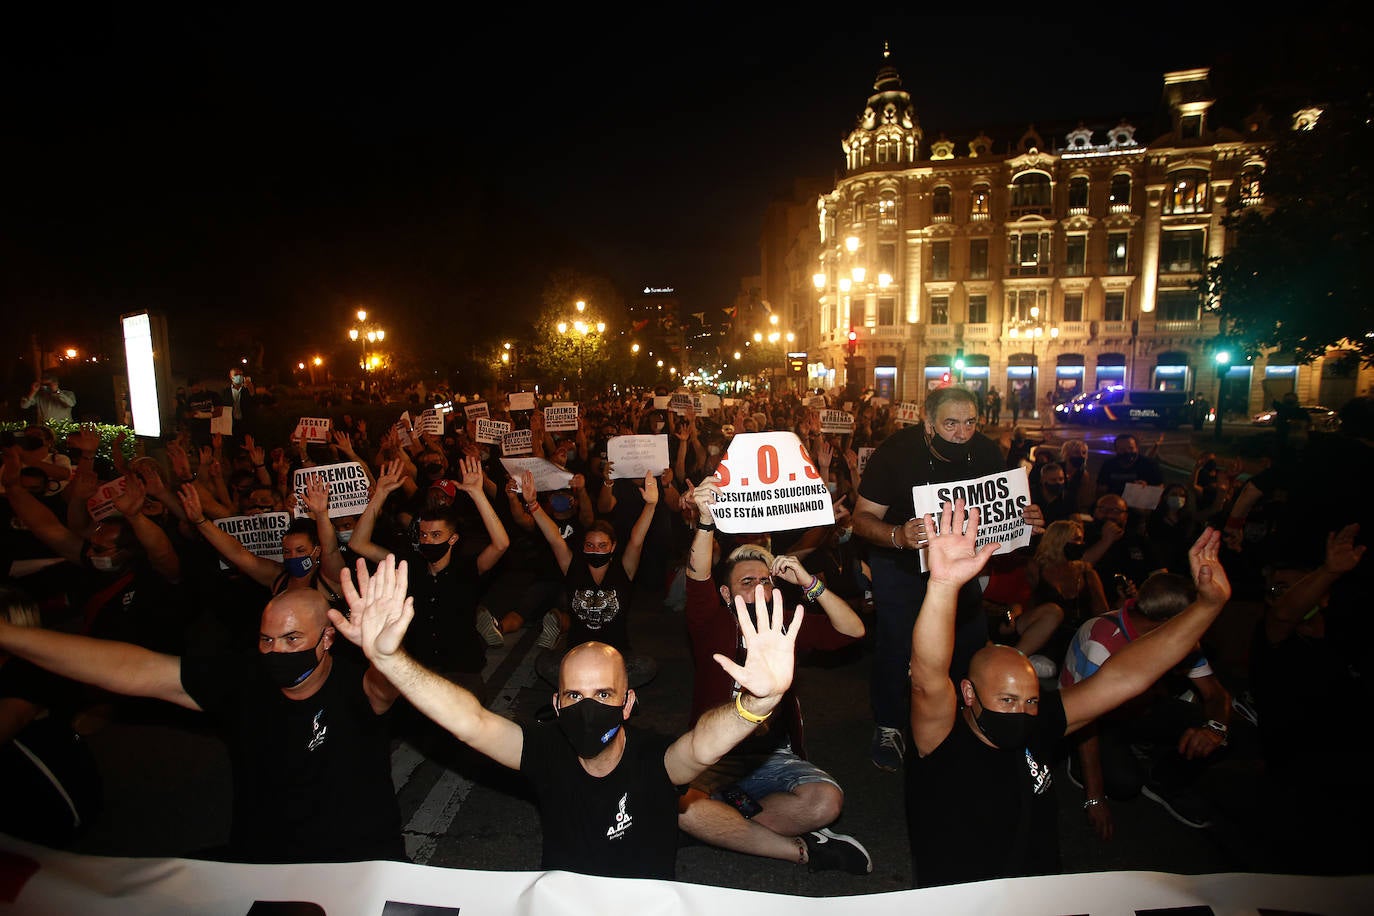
(959, 359)
(853, 340)
(944, 380)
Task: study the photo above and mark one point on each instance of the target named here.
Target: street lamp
(367, 333)
(584, 330)
(1033, 329)
(1223, 358)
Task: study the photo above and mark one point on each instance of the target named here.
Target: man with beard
(980, 800)
(947, 447)
(1127, 466)
(607, 791)
(308, 744)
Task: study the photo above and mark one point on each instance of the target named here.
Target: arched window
(1119, 194)
(1030, 193)
(1078, 194)
(980, 202)
(1249, 185)
(940, 202)
(1187, 192)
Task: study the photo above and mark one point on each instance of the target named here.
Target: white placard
(908, 413)
(403, 433)
(680, 402)
(313, 429)
(561, 418)
(634, 456)
(878, 402)
(837, 421)
(547, 475)
(224, 423)
(1142, 496)
(259, 534)
(768, 483)
(865, 454)
(491, 431)
(101, 504)
(660, 402)
(348, 486)
(707, 402)
(1000, 498)
(405, 418)
(518, 442)
(476, 411)
(816, 402)
(430, 423)
(521, 400)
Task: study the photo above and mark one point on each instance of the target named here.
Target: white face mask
(344, 536)
(102, 564)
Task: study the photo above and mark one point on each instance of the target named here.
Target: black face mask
(287, 669)
(1078, 461)
(1007, 730)
(1054, 489)
(589, 726)
(433, 553)
(1128, 458)
(1074, 551)
(596, 560)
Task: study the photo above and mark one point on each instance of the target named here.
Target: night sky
(267, 173)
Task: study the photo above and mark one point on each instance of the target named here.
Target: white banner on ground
(521, 400)
(260, 534)
(908, 413)
(518, 442)
(43, 880)
(101, 503)
(560, 418)
(632, 457)
(837, 421)
(348, 486)
(999, 497)
(313, 429)
(769, 483)
(476, 411)
(491, 431)
(547, 475)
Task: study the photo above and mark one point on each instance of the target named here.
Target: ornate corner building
(1043, 270)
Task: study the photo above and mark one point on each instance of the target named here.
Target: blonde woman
(1065, 589)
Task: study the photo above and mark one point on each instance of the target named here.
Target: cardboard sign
(348, 487)
(518, 442)
(680, 402)
(837, 421)
(560, 418)
(313, 429)
(908, 413)
(491, 431)
(101, 504)
(430, 423)
(259, 534)
(224, 423)
(476, 411)
(769, 483)
(521, 400)
(547, 475)
(864, 455)
(1000, 498)
(634, 456)
(1142, 496)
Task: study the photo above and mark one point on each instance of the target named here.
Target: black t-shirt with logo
(599, 611)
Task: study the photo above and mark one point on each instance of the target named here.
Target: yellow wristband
(746, 715)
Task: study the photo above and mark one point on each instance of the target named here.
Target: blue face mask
(299, 567)
(560, 502)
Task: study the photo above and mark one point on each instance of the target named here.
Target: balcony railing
(941, 218)
(983, 331)
(1119, 208)
(979, 217)
(1175, 326)
(1106, 328)
(1074, 329)
(939, 332)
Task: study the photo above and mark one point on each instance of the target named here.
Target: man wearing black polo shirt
(980, 799)
(945, 447)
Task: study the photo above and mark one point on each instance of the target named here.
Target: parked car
(1324, 419)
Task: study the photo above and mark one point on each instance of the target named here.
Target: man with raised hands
(607, 791)
(980, 801)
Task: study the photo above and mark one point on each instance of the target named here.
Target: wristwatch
(1220, 728)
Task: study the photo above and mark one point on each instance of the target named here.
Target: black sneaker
(1187, 809)
(830, 851)
(888, 748)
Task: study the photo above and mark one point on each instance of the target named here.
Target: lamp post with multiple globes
(583, 329)
(367, 333)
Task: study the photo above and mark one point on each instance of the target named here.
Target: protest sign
(402, 430)
(660, 402)
(491, 431)
(476, 411)
(521, 400)
(816, 402)
(634, 456)
(864, 455)
(313, 429)
(680, 402)
(348, 487)
(560, 418)
(547, 475)
(877, 402)
(223, 424)
(518, 442)
(101, 504)
(768, 483)
(837, 421)
(430, 423)
(1142, 496)
(707, 402)
(260, 534)
(908, 413)
(1000, 498)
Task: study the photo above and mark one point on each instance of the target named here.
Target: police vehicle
(1119, 406)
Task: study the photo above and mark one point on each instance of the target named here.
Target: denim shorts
(761, 775)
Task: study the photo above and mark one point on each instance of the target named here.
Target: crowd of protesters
(993, 672)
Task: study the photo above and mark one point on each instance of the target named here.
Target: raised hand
(1213, 586)
(767, 671)
(390, 480)
(84, 482)
(180, 461)
(1341, 553)
(790, 569)
(650, 488)
(190, 502)
(951, 555)
(254, 450)
(378, 610)
(528, 491)
(85, 440)
(130, 502)
(315, 500)
(471, 480)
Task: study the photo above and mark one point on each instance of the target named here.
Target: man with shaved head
(980, 801)
(607, 791)
(308, 743)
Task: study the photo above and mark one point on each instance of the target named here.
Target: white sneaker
(1044, 668)
(486, 625)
